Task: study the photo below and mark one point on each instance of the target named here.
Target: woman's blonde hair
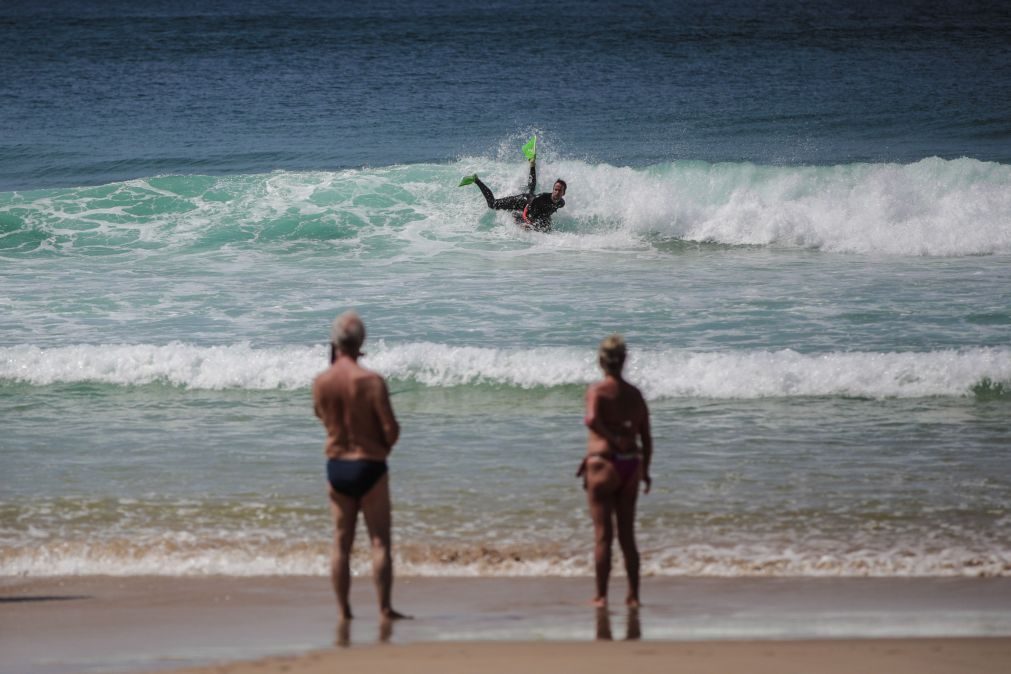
(612, 353)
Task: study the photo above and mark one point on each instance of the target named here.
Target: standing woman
(615, 463)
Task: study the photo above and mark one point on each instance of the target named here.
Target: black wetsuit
(533, 211)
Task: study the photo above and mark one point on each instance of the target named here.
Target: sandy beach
(223, 624)
(898, 656)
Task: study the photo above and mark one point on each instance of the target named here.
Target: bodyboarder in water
(532, 210)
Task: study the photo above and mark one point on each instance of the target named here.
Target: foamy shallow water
(815, 286)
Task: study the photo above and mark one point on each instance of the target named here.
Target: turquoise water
(828, 398)
(815, 291)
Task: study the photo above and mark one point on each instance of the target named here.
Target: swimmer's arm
(387, 421)
(532, 180)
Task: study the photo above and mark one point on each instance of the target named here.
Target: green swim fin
(530, 149)
(468, 180)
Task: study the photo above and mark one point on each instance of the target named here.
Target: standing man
(354, 406)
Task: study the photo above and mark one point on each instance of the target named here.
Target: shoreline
(895, 656)
(141, 624)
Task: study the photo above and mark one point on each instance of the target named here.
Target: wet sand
(895, 656)
(141, 624)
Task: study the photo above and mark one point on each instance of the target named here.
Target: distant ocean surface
(799, 217)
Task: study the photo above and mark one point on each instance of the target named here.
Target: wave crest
(933, 207)
(169, 557)
(660, 374)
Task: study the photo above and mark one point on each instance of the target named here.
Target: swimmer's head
(611, 354)
(348, 334)
(558, 191)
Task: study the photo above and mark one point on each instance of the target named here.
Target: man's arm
(384, 412)
(532, 180)
(315, 399)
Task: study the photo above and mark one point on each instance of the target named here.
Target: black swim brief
(354, 478)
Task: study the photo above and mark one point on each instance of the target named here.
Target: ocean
(799, 216)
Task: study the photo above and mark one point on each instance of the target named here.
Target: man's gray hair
(348, 332)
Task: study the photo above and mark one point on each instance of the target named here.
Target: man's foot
(468, 180)
(390, 614)
(529, 148)
(345, 612)
(599, 602)
(632, 602)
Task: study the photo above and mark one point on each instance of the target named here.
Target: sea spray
(932, 207)
(660, 373)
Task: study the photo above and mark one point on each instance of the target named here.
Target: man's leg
(345, 515)
(486, 191)
(376, 508)
(515, 203)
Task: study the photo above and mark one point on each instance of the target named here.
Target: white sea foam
(661, 374)
(187, 558)
(933, 207)
(215, 367)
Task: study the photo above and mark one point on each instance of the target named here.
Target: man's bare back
(355, 409)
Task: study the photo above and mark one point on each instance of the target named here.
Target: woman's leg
(601, 482)
(625, 516)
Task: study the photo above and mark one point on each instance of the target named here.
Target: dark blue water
(94, 92)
